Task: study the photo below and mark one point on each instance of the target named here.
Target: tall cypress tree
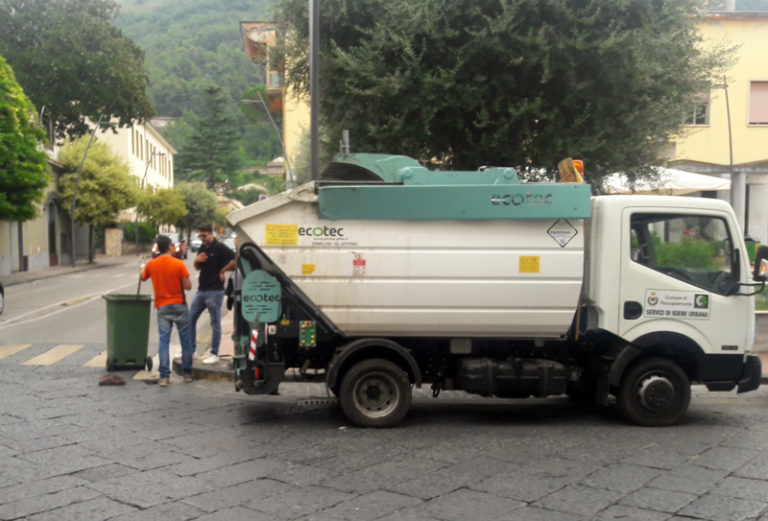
(211, 154)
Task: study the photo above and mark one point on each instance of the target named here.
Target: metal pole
(738, 180)
(314, 84)
(274, 126)
(77, 184)
(345, 142)
(141, 186)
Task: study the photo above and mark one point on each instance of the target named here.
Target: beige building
(713, 143)
(45, 240)
(258, 37)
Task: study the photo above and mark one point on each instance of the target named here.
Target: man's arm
(229, 267)
(186, 283)
(200, 260)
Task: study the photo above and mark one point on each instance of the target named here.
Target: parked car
(230, 242)
(195, 243)
(2, 298)
(178, 246)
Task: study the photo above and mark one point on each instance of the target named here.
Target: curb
(221, 371)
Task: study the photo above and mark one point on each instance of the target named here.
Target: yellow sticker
(307, 269)
(281, 235)
(529, 263)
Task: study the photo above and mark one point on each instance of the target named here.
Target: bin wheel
(148, 363)
(110, 365)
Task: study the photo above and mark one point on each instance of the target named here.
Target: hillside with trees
(191, 47)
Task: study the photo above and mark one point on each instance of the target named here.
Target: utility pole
(314, 84)
(141, 186)
(77, 184)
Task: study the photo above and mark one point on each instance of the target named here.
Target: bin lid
(126, 298)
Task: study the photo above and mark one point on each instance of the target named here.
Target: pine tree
(211, 154)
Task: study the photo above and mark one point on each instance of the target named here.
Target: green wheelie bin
(128, 331)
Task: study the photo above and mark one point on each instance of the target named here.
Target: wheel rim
(656, 392)
(376, 395)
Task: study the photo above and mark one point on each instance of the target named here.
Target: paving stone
(657, 457)
(523, 487)
(656, 499)
(756, 468)
(578, 499)
(29, 505)
(743, 488)
(469, 504)
(623, 513)
(96, 509)
(237, 514)
(725, 458)
(366, 507)
(177, 511)
(718, 508)
(620, 477)
(560, 468)
(298, 502)
(241, 494)
(39, 488)
(240, 472)
(689, 478)
(431, 486)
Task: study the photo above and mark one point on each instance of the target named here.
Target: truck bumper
(750, 374)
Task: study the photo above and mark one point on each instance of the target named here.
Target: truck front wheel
(654, 392)
(375, 393)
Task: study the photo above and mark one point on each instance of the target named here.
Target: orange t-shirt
(166, 273)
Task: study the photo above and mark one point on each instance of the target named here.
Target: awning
(670, 182)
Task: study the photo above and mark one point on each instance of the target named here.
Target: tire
(375, 393)
(654, 392)
(148, 363)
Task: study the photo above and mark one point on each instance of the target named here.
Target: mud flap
(750, 374)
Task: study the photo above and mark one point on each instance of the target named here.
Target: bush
(147, 233)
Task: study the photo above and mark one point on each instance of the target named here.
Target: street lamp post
(141, 186)
(738, 180)
(261, 102)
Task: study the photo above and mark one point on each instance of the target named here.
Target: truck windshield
(693, 248)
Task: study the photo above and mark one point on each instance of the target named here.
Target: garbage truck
(384, 276)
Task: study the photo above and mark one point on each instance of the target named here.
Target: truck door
(679, 273)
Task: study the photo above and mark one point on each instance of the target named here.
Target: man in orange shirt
(170, 278)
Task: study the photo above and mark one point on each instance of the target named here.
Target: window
(699, 113)
(758, 103)
(695, 249)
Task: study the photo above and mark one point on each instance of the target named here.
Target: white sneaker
(212, 359)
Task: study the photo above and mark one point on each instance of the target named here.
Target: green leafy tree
(105, 188)
(164, 206)
(201, 205)
(211, 153)
(72, 61)
(22, 166)
(500, 82)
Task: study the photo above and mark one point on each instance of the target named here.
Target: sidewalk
(100, 261)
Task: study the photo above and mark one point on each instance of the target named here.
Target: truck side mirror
(761, 264)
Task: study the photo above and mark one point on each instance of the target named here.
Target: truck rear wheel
(654, 392)
(375, 393)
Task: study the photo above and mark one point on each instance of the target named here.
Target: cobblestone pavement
(71, 450)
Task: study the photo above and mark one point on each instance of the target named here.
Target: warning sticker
(676, 304)
(529, 263)
(562, 232)
(307, 269)
(281, 235)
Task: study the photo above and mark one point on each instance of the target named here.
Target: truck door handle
(632, 310)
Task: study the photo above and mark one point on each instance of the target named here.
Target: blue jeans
(166, 317)
(210, 300)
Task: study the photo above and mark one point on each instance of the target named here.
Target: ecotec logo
(527, 199)
(320, 231)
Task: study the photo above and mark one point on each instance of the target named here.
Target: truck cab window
(695, 249)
